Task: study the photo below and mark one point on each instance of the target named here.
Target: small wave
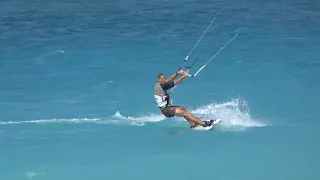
(31, 175)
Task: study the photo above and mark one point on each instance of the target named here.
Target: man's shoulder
(163, 84)
(157, 85)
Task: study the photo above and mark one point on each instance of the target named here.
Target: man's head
(161, 78)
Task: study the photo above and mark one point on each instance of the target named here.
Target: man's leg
(193, 120)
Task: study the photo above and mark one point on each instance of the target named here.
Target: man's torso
(160, 94)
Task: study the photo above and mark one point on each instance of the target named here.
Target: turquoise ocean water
(77, 78)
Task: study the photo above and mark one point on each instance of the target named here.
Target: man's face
(162, 79)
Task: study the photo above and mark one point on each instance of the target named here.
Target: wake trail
(234, 114)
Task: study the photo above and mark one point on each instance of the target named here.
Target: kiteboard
(201, 128)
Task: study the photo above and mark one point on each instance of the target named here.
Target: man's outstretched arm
(181, 78)
(171, 84)
(172, 77)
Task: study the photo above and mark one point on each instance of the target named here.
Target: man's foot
(193, 126)
(208, 123)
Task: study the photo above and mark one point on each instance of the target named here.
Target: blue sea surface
(77, 79)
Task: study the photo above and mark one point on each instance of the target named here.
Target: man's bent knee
(182, 109)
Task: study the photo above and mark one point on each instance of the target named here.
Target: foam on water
(234, 115)
(118, 118)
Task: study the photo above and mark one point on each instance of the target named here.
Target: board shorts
(169, 111)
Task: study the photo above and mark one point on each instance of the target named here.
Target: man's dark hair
(160, 74)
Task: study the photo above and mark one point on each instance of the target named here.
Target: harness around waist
(163, 107)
